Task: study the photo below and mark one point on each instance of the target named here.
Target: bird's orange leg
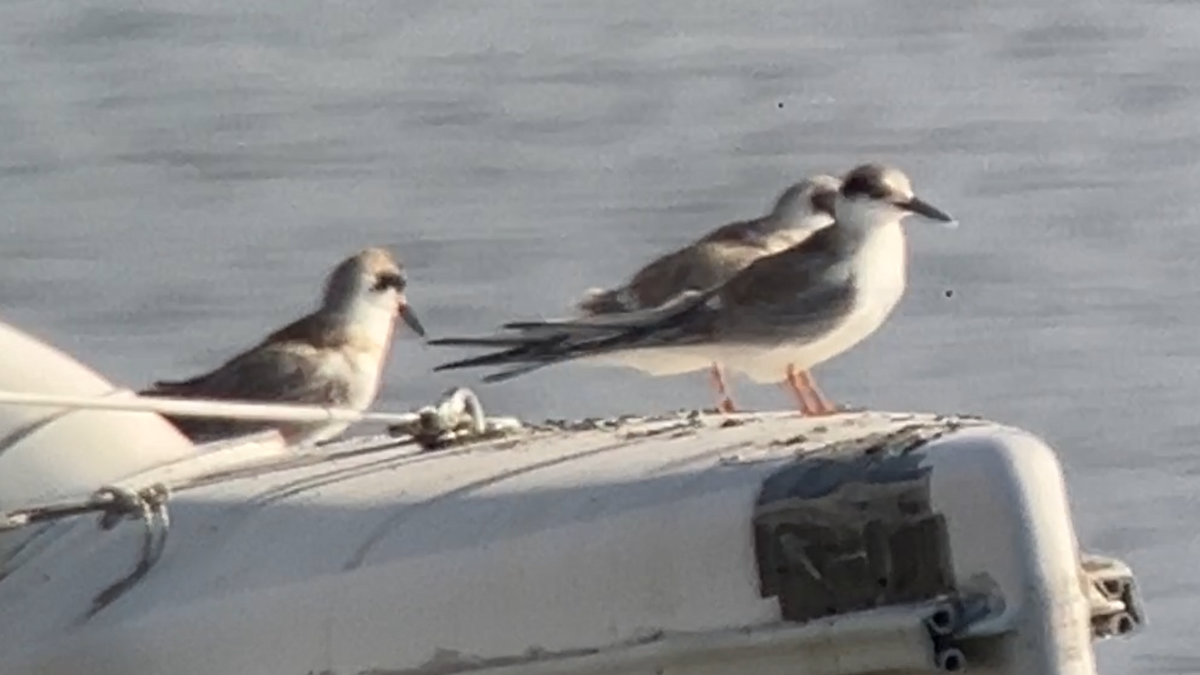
(824, 405)
(799, 389)
(725, 404)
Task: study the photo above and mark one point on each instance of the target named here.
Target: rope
(184, 407)
(148, 505)
(457, 417)
(114, 504)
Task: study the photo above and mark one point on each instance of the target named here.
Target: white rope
(180, 407)
(148, 505)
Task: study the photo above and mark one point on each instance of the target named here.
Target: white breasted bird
(332, 357)
(714, 258)
(775, 320)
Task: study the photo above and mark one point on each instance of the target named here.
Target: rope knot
(118, 503)
(458, 415)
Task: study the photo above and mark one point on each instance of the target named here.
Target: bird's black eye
(868, 180)
(822, 201)
(389, 280)
(865, 186)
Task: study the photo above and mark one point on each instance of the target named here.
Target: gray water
(177, 177)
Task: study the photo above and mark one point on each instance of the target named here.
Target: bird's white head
(874, 195)
(808, 204)
(370, 286)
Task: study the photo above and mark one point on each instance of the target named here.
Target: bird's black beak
(923, 208)
(410, 317)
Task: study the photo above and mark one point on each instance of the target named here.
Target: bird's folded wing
(273, 373)
(809, 317)
(686, 323)
(798, 294)
(610, 322)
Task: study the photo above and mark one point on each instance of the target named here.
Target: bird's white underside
(372, 320)
(363, 368)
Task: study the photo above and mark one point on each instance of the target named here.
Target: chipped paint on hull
(851, 527)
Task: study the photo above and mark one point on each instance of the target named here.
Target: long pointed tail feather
(686, 319)
(491, 341)
(514, 372)
(607, 322)
(530, 350)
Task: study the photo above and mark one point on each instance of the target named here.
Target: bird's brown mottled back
(316, 330)
(720, 253)
(696, 268)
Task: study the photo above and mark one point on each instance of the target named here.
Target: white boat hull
(778, 545)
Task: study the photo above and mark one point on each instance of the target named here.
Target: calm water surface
(177, 178)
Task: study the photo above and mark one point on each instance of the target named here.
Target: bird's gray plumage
(332, 357)
(806, 285)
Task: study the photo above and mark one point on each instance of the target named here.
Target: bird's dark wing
(275, 373)
(687, 320)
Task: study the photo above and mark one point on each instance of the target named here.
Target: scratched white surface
(379, 559)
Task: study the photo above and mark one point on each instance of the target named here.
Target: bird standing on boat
(332, 357)
(776, 319)
(800, 210)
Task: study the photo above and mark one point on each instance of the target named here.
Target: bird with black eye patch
(864, 253)
(333, 357)
(774, 320)
(800, 210)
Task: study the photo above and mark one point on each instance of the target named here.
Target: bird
(798, 211)
(776, 319)
(332, 357)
